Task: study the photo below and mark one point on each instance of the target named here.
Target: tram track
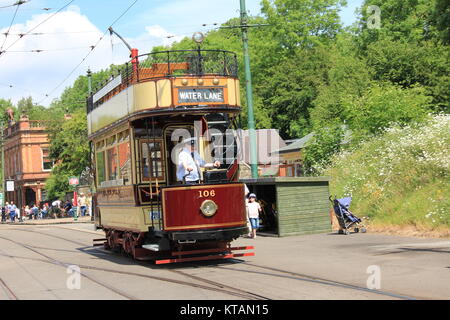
(313, 279)
(217, 286)
(269, 271)
(66, 265)
(7, 290)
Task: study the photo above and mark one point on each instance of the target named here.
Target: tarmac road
(37, 262)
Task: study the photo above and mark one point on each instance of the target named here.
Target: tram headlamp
(209, 208)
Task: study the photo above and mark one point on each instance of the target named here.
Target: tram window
(111, 155)
(155, 164)
(111, 140)
(125, 162)
(100, 161)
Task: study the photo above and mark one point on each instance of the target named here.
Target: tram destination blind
(200, 95)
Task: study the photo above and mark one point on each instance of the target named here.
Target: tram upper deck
(166, 82)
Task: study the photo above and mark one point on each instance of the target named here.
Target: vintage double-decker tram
(135, 123)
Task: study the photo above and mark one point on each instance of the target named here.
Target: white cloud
(37, 74)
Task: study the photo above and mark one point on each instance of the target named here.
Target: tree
(406, 20)
(302, 23)
(441, 18)
(346, 74)
(384, 105)
(409, 64)
(70, 149)
(326, 142)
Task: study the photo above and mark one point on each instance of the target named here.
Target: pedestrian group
(10, 212)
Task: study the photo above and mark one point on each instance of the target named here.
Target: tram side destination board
(200, 95)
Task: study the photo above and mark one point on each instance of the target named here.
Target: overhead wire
(46, 33)
(92, 47)
(48, 50)
(39, 24)
(89, 53)
(18, 4)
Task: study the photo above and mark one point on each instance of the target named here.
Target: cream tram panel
(125, 217)
(164, 92)
(238, 93)
(112, 110)
(231, 92)
(145, 96)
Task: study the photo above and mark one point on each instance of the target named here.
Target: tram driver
(189, 163)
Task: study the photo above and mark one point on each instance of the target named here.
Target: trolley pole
(249, 93)
(89, 76)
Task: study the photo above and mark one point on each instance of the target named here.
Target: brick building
(27, 160)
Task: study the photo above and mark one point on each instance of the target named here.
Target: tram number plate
(206, 193)
(200, 95)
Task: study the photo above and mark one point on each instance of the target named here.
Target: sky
(66, 29)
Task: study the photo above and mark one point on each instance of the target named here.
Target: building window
(47, 163)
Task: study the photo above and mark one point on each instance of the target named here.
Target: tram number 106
(206, 193)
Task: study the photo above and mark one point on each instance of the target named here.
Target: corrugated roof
(296, 145)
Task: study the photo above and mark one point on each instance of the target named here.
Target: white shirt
(186, 157)
(253, 209)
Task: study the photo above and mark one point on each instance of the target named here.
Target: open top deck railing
(167, 64)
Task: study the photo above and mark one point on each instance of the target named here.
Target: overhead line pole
(248, 87)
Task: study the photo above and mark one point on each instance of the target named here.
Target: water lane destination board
(200, 95)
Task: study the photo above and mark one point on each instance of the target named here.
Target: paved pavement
(86, 219)
(35, 260)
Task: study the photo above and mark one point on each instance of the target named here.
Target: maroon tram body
(133, 120)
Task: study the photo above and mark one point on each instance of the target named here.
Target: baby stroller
(345, 217)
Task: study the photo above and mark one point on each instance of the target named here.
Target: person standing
(189, 163)
(4, 213)
(18, 214)
(89, 204)
(82, 204)
(253, 213)
(28, 212)
(12, 211)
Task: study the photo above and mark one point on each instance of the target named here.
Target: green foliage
(409, 64)
(347, 74)
(302, 23)
(441, 18)
(401, 177)
(383, 105)
(5, 105)
(326, 142)
(309, 74)
(69, 147)
(406, 20)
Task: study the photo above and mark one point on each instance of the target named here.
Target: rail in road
(212, 285)
(216, 286)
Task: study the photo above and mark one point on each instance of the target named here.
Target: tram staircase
(225, 147)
